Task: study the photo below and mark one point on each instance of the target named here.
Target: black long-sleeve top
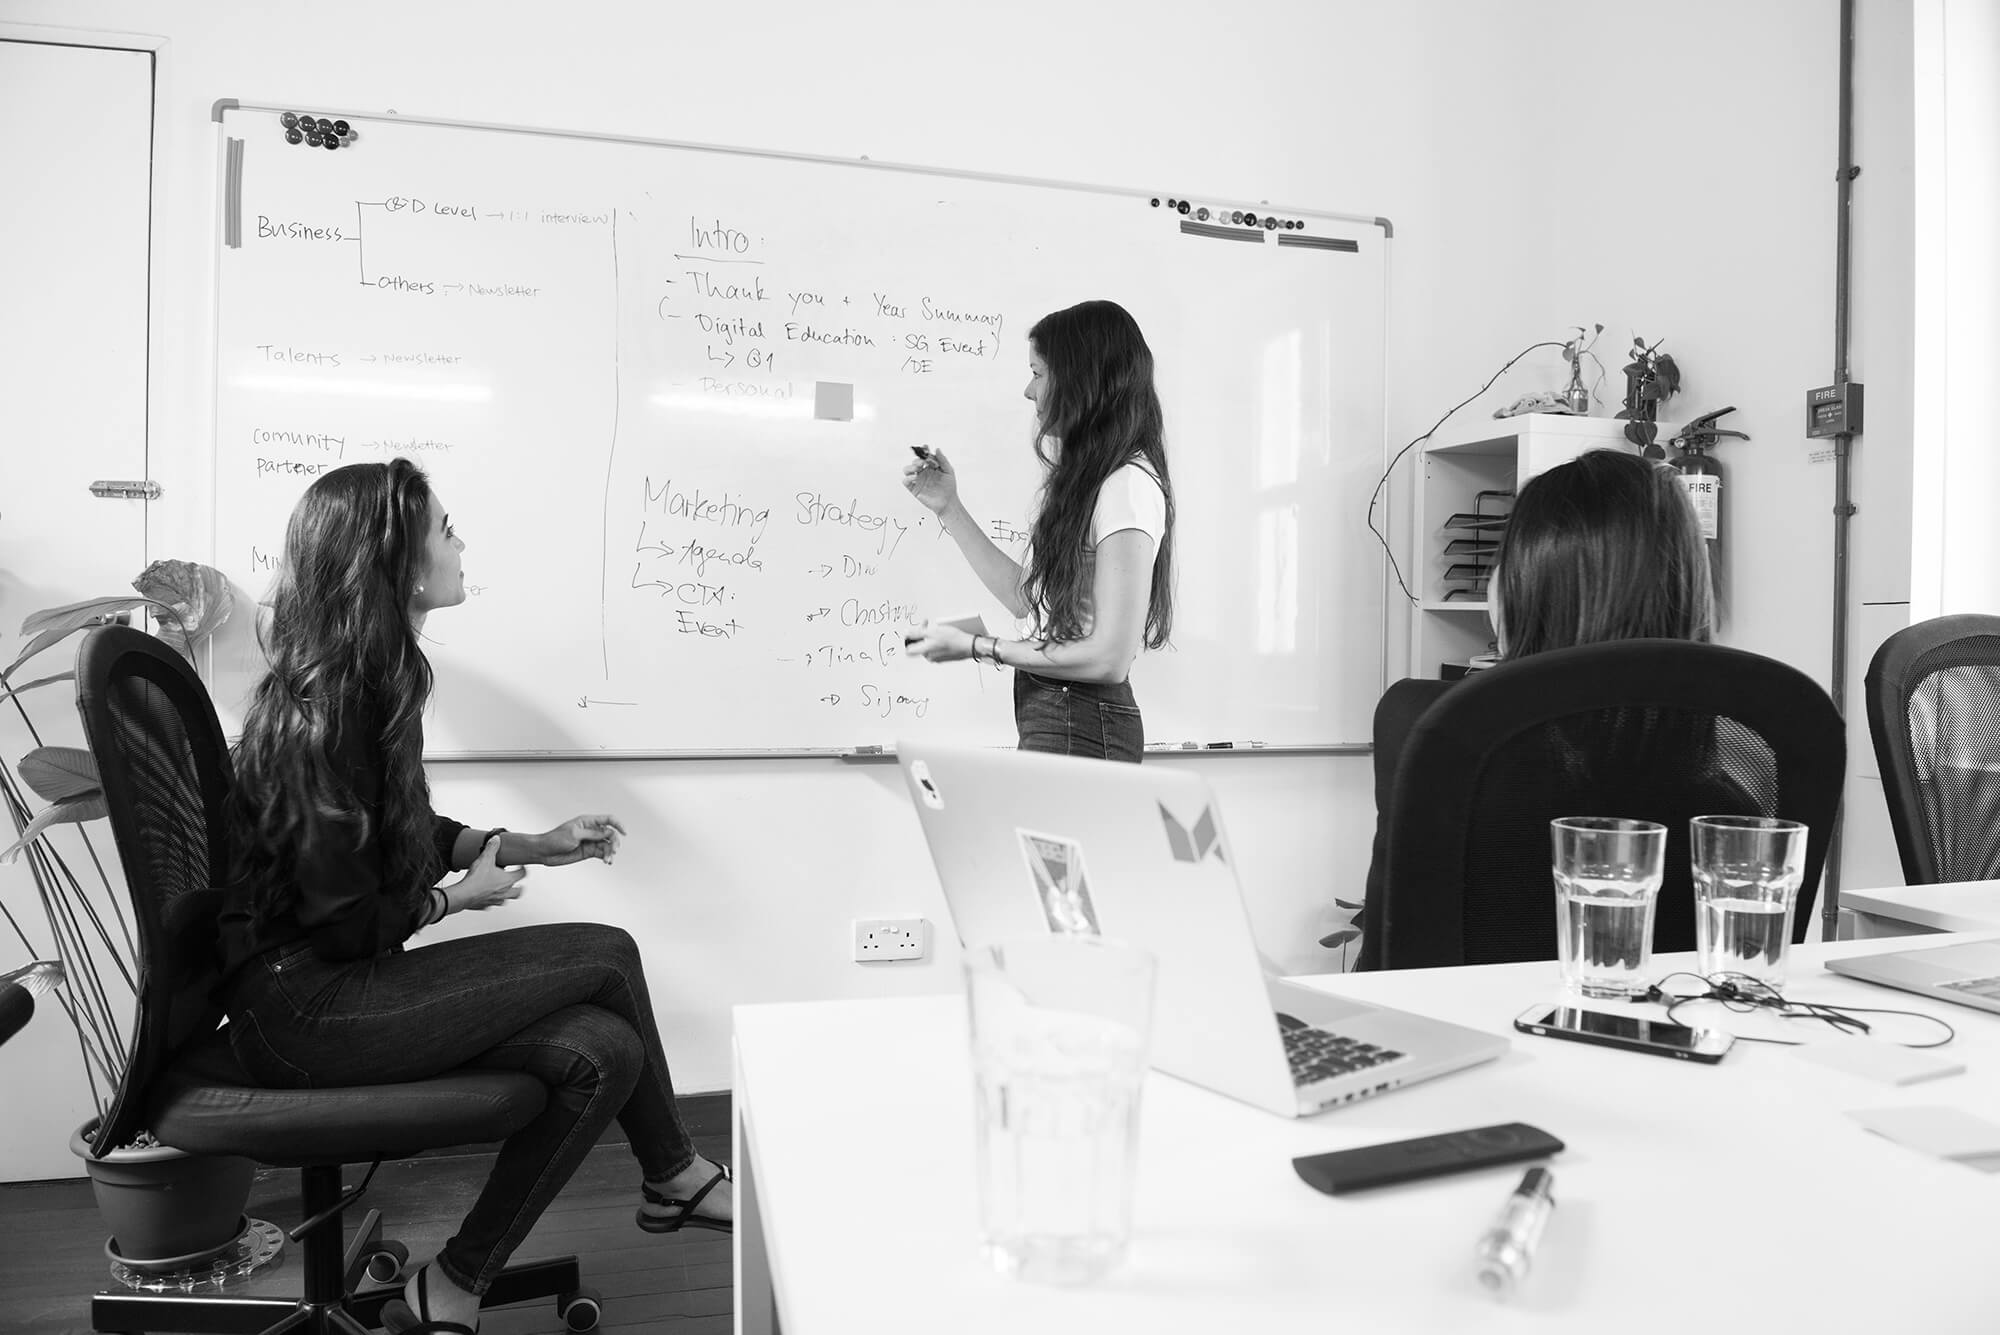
(337, 900)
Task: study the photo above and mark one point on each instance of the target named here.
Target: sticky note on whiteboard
(833, 401)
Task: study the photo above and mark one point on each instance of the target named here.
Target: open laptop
(1967, 972)
(1027, 844)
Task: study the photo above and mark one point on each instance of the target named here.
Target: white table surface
(1690, 1198)
(1955, 906)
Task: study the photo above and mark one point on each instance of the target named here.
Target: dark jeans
(566, 1003)
(1078, 718)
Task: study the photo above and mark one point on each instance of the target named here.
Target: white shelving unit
(1493, 454)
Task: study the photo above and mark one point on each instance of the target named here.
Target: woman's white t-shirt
(1130, 498)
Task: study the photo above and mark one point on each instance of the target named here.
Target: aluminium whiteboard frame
(229, 218)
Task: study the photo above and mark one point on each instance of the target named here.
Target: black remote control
(1426, 1156)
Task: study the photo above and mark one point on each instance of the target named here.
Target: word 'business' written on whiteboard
(666, 394)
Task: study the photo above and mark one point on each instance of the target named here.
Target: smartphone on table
(1662, 1038)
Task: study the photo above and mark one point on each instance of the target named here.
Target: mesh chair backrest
(1659, 730)
(166, 772)
(1934, 716)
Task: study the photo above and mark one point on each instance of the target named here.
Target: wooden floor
(52, 1245)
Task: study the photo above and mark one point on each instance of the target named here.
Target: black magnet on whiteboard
(294, 137)
(290, 120)
(333, 141)
(1156, 201)
(1270, 224)
(340, 128)
(315, 139)
(1236, 215)
(1250, 219)
(1184, 206)
(1202, 213)
(325, 125)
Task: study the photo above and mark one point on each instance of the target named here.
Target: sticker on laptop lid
(1192, 843)
(1060, 882)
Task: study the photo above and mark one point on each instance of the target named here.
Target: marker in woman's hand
(924, 456)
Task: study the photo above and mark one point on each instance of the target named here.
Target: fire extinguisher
(1700, 474)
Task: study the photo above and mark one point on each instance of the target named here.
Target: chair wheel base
(385, 1262)
(581, 1309)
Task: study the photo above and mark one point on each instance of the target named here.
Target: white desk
(1690, 1198)
(1913, 910)
(1906, 910)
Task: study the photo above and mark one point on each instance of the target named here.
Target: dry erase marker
(1507, 1248)
(923, 452)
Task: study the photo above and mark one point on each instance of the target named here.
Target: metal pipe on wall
(1843, 444)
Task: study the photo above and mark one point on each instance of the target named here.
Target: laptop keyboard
(1317, 1054)
(1978, 987)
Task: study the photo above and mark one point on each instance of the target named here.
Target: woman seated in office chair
(1604, 547)
(337, 862)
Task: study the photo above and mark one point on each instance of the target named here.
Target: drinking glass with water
(1747, 871)
(1607, 872)
(1060, 1026)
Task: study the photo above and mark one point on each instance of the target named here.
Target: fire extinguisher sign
(1704, 490)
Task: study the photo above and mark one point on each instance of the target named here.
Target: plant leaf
(55, 623)
(199, 596)
(59, 773)
(27, 686)
(1339, 938)
(63, 813)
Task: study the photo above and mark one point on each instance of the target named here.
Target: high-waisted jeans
(1078, 718)
(566, 1003)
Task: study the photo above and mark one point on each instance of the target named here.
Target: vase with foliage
(187, 1205)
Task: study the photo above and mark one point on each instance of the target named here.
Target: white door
(75, 195)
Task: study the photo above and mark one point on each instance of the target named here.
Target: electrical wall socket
(888, 939)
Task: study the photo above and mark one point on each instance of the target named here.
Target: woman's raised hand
(932, 480)
(578, 838)
(486, 883)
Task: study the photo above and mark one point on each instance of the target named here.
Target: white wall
(1956, 566)
(1546, 162)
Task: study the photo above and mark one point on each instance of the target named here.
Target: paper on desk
(1888, 1062)
(1949, 1133)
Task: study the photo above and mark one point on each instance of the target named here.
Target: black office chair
(166, 771)
(1660, 730)
(1934, 716)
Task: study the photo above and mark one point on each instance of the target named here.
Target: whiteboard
(666, 392)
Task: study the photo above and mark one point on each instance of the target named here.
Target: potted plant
(163, 1206)
(1651, 378)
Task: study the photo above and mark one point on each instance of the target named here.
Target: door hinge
(146, 490)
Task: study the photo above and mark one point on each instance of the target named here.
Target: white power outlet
(888, 939)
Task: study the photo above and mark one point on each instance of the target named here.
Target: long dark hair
(1099, 412)
(343, 653)
(1604, 547)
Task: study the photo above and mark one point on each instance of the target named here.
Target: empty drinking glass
(1059, 1033)
(1607, 872)
(1747, 871)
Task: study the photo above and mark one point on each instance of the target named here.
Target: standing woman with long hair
(337, 860)
(1098, 583)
